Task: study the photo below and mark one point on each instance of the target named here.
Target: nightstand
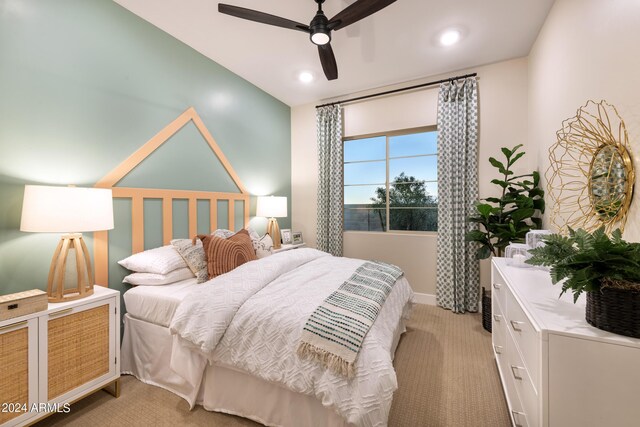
(57, 356)
(289, 247)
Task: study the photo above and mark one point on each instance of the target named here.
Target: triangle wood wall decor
(137, 195)
(112, 178)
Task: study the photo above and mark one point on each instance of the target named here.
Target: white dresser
(556, 369)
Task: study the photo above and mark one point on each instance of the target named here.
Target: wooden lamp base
(56, 288)
(273, 230)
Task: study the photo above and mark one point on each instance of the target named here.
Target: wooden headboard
(138, 195)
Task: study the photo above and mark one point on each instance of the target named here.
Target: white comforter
(251, 319)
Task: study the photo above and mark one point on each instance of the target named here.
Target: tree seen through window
(410, 207)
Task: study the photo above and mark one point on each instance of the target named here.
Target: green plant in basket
(508, 218)
(589, 261)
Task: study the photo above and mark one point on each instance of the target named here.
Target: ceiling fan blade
(357, 11)
(263, 18)
(328, 61)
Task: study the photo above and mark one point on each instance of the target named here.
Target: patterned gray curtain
(458, 272)
(330, 179)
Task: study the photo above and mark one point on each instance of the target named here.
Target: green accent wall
(83, 84)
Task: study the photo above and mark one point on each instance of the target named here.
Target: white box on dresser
(556, 369)
(59, 355)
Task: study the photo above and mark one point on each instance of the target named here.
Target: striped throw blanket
(334, 332)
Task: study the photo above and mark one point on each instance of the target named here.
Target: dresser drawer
(516, 411)
(498, 329)
(498, 289)
(523, 385)
(525, 336)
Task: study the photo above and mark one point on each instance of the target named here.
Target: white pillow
(193, 255)
(153, 279)
(224, 234)
(161, 260)
(262, 245)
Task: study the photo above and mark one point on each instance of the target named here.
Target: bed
(252, 370)
(256, 355)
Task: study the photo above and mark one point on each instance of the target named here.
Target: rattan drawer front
(78, 349)
(14, 370)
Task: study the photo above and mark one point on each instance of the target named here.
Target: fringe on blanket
(331, 361)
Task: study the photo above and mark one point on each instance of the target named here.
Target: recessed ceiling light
(305, 77)
(450, 37)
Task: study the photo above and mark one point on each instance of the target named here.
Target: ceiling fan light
(320, 38)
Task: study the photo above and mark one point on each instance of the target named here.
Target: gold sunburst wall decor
(590, 177)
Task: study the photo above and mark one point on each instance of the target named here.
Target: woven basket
(486, 309)
(615, 308)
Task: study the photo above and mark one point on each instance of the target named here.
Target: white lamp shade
(271, 206)
(66, 209)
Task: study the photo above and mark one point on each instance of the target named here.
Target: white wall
(586, 50)
(503, 122)
(304, 172)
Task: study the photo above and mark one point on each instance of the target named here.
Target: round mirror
(609, 180)
(590, 176)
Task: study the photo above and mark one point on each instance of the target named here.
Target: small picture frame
(286, 236)
(296, 237)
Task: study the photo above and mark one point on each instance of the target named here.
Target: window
(394, 176)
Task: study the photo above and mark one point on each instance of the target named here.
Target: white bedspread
(251, 319)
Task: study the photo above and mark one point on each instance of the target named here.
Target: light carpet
(446, 375)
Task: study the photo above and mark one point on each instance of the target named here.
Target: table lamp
(69, 210)
(272, 207)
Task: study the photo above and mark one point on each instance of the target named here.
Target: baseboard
(426, 299)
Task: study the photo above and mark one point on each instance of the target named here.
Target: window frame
(387, 184)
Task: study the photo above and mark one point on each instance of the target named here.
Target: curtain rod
(360, 98)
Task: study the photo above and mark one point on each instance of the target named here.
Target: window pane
(364, 218)
(365, 208)
(365, 149)
(363, 195)
(416, 194)
(413, 219)
(413, 144)
(420, 168)
(432, 190)
(365, 173)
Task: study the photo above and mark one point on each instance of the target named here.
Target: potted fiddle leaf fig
(508, 218)
(606, 268)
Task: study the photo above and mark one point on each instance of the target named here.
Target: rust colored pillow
(223, 255)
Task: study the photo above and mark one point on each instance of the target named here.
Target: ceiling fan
(320, 27)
